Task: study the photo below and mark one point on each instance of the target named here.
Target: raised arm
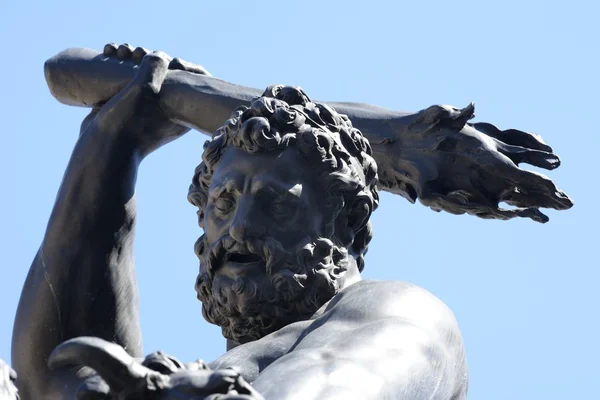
(82, 280)
(433, 155)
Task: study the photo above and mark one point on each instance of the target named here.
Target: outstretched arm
(82, 281)
(433, 155)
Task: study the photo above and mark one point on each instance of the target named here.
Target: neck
(350, 277)
(352, 274)
(231, 344)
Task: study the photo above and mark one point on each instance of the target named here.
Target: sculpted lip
(240, 258)
(246, 264)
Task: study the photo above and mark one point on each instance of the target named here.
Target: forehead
(275, 170)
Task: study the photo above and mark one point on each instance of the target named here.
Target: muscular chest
(252, 358)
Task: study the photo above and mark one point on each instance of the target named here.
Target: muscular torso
(363, 331)
(252, 358)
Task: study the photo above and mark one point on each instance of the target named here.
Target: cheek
(214, 226)
(305, 223)
(311, 217)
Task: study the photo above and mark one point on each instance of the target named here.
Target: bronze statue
(285, 192)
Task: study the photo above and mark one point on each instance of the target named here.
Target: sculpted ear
(359, 214)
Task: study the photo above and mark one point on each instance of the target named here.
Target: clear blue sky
(525, 294)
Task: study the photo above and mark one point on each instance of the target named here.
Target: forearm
(201, 102)
(84, 77)
(82, 280)
(205, 103)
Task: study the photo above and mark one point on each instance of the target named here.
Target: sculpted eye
(224, 204)
(282, 209)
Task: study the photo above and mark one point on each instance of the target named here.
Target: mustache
(214, 254)
(250, 307)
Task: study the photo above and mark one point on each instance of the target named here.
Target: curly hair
(284, 116)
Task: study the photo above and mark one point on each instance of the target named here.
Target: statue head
(285, 192)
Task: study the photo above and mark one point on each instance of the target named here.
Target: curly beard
(292, 287)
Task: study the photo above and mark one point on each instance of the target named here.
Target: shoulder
(394, 319)
(368, 302)
(387, 304)
(375, 300)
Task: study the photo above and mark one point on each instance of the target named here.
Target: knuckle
(139, 53)
(151, 56)
(124, 51)
(155, 60)
(110, 49)
(161, 55)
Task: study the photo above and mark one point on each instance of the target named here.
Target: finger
(179, 64)
(517, 198)
(110, 50)
(532, 188)
(159, 361)
(525, 139)
(228, 375)
(152, 70)
(540, 191)
(458, 203)
(538, 158)
(202, 382)
(109, 360)
(491, 212)
(532, 213)
(469, 195)
(506, 214)
(94, 388)
(124, 52)
(138, 54)
(514, 137)
(197, 365)
(244, 388)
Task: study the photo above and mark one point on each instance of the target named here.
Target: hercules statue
(284, 192)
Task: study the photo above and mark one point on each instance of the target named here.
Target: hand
(458, 167)
(159, 377)
(134, 114)
(126, 53)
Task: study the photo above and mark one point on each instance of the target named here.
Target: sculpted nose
(246, 223)
(240, 230)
